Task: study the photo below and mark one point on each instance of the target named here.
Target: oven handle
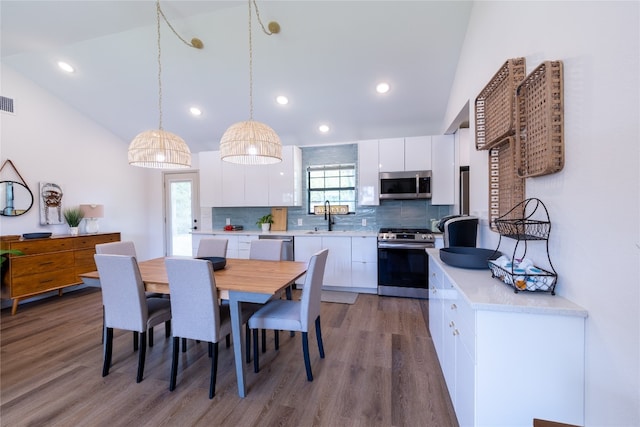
(383, 245)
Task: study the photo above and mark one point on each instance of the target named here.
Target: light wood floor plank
(380, 370)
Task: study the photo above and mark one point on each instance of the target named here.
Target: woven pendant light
(251, 142)
(158, 148)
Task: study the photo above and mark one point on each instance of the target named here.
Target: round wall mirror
(15, 198)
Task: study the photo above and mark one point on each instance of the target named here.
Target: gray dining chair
(266, 250)
(196, 313)
(126, 307)
(126, 248)
(288, 315)
(211, 247)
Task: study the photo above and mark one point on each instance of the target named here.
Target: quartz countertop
(484, 292)
(335, 233)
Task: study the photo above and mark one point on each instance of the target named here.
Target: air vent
(6, 104)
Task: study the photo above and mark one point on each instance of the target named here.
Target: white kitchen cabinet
(507, 358)
(224, 184)
(368, 177)
(417, 153)
(337, 272)
(391, 154)
(210, 178)
(364, 262)
(285, 178)
(443, 170)
(303, 249)
(244, 245)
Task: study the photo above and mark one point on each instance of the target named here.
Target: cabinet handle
(453, 306)
(452, 324)
(46, 263)
(456, 332)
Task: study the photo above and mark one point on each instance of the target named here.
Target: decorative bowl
(36, 235)
(467, 257)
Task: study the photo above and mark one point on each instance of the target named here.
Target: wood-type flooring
(380, 370)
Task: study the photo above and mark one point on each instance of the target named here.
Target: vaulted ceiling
(327, 59)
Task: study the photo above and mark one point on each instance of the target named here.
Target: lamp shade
(92, 211)
(159, 149)
(250, 143)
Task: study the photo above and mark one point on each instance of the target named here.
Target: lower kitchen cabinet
(364, 262)
(237, 247)
(506, 358)
(337, 272)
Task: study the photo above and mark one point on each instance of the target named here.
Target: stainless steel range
(403, 267)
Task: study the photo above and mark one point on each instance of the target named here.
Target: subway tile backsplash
(390, 213)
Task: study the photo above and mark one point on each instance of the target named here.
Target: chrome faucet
(327, 214)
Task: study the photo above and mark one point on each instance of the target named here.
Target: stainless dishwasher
(287, 245)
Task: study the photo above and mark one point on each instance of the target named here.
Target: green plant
(73, 216)
(4, 252)
(267, 219)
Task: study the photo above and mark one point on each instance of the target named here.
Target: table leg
(238, 342)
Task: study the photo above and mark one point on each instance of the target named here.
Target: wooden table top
(244, 275)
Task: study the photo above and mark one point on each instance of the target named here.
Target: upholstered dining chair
(288, 315)
(126, 307)
(129, 249)
(266, 250)
(195, 310)
(211, 247)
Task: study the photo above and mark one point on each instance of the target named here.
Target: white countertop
(338, 233)
(484, 292)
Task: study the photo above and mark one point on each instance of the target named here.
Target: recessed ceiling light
(195, 111)
(323, 128)
(65, 67)
(382, 87)
(282, 100)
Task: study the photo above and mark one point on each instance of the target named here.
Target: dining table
(241, 280)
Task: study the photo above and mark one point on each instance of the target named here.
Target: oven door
(403, 270)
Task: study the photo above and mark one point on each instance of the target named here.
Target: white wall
(594, 201)
(49, 141)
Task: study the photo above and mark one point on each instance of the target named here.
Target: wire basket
(495, 105)
(542, 281)
(540, 121)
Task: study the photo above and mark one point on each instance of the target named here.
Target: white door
(181, 211)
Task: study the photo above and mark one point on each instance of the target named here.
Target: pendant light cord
(267, 32)
(158, 13)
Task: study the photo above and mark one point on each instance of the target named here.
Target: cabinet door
(232, 184)
(338, 269)
(303, 248)
(443, 167)
(244, 245)
(368, 178)
(256, 186)
(391, 154)
(417, 153)
(285, 178)
(364, 262)
(436, 314)
(210, 179)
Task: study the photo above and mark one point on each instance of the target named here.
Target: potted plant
(73, 216)
(265, 222)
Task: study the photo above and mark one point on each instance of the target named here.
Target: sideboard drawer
(90, 241)
(23, 266)
(38, 246)
(42, 282)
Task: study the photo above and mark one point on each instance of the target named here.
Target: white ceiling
(327, 59)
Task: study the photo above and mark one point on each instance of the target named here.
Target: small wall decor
(50, 204)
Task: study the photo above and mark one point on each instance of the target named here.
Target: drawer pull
(456, 332)
(46, 263)
(453, 306)
(452, 324)
(46, 281)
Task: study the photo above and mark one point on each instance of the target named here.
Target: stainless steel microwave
(405, 185)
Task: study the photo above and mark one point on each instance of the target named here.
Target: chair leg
(319, 337)
(108, 350)
(214, 371)
(276, 338)
(150, 337)
(135, 341)
(264, 340)
(247, 343)
(210, 349)
(141, 355)
(305, 353)
(228, 340)
(184, 345)
(167, 329)
(174, 363)
(256, 362)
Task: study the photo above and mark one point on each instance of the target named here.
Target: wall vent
(6, 104)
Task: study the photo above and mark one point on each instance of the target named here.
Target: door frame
(167, 178)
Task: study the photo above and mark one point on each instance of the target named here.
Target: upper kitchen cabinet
(224, 184)
(368, 178)
(285, 178)
(443, 170)
(405, 154)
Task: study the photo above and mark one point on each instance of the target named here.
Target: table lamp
(91, 214)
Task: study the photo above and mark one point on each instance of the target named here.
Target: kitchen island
(506, 357)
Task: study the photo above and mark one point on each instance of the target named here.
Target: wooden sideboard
(49, 264)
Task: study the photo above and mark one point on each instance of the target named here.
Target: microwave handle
(417, 184)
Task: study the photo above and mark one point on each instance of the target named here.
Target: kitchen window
(335, 183)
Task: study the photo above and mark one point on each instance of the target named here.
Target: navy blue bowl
(36, 235)
(466, 257)
(218, 262)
